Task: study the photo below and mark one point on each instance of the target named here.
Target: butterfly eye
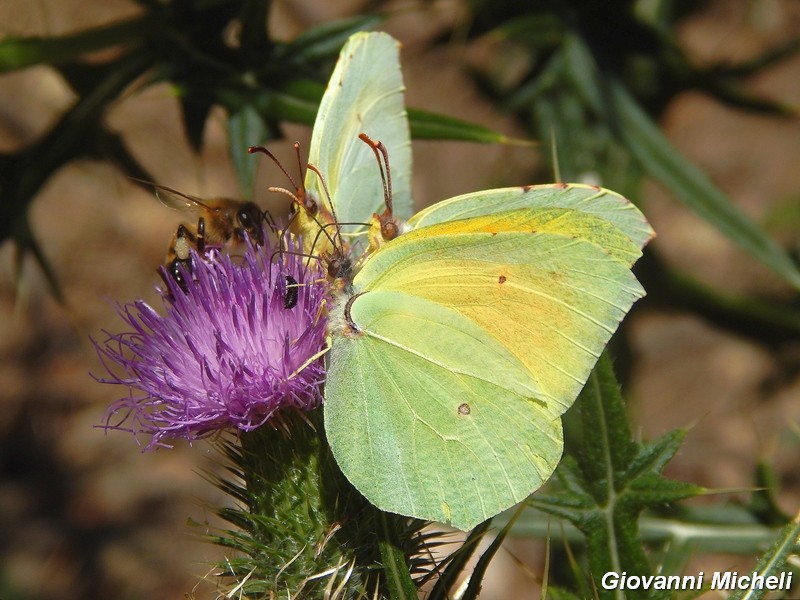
(389, 229)
(340, 267)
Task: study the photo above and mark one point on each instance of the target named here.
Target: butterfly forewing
(598, 202)
(364, 95)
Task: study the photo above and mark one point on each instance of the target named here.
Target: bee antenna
(267, 217)
(299, 197)
(322, 180)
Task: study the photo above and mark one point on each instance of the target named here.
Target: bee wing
(175, 199)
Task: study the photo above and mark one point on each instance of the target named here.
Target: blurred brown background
(86, 515)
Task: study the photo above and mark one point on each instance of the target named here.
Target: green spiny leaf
(652, 457)
(774, 559)
(395, 564)
(768, 322)
(246, 127)
(298, 517)
(22, 52)
(479, 572)
(611, 480)
(612, 103)
(431, 126)
(692, 187)
(764, 504)
(457, 562)
(194, 112)
(254, 38)
(298, 101)
(607, 448)
(560, 593)
(721, 529)
(325, 41)
(534, 30)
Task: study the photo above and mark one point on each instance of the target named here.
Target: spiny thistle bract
(302, 531)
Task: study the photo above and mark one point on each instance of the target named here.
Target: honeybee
(221, 223)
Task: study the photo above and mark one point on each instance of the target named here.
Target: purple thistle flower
(231, 351)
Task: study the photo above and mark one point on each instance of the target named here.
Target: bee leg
(174, 269)
(182, 244)
(201, 235)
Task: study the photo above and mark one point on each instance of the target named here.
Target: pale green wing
(429, 417)
(564, 221)
(593, 200)
(364, 95)
(541, 304)
(553, 300)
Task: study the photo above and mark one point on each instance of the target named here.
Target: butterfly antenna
(389, 228)
(299, 196)
(263, 150)
(322, 227)
(382, 156)
(282, 245)
(302, 188)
